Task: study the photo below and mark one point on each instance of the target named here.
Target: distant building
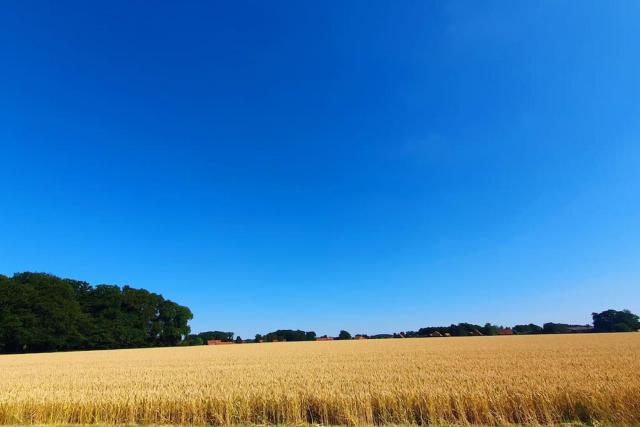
(325, 339)
(506, 331)
(435, 334)
(360, 337)
(218, 342)
(476, 333)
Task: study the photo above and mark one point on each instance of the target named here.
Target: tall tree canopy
(41, 312)
(344, 335)
(289, 335)
(616, 321)
(531, 328)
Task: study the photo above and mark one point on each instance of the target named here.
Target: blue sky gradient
(374, 166)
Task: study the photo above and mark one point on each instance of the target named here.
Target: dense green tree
(216, 335)
(344, 335)
(193, 340)
(139, 318)
(41, 312)
(174, 320)
(489, 329)
(527, 329)
(555, 328)
(463, 329)
(289, 335)
(615, 321)
(622, 327)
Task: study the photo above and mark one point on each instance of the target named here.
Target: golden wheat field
(479, 380)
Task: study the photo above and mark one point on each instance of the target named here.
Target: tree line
(40, 312)
(606, 321)
(275, 336)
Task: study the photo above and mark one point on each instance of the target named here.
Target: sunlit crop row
(480, 380)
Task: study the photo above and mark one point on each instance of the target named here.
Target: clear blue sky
(375, 166)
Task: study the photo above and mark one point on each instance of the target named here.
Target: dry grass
(483, 380)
